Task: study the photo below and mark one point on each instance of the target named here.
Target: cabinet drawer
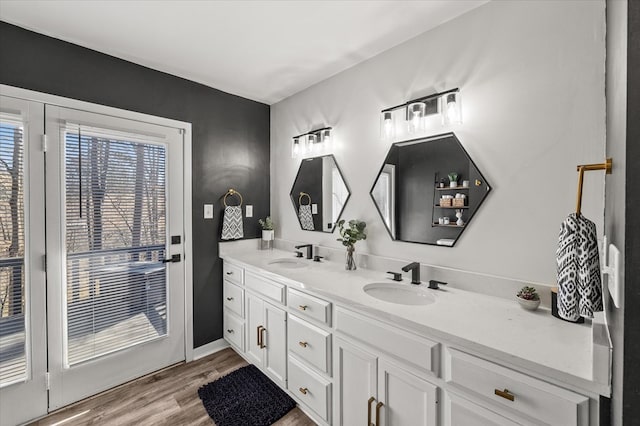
(414, 350)
(310, 343)
(542, 401)
(310, 306)
(310, 388)
(233, 273)
(232, 298)
(459, 411)
(234, 331)
(265, 287)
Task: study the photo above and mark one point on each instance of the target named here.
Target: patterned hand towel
(579, 282)
(232, 223)
(306, 218)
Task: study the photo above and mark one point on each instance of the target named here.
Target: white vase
(267, 234)
(453, 184)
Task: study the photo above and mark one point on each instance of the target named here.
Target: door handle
(369, 410)
(258, 336)
(262, 345)
(173, 259)
(378, 407)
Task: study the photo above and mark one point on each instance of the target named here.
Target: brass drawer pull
(303, 344)
(302, 307)
(262, 345)
(229, 299)
(378, 407)
(259, 336)
(229, 330)
(303, 391)
(505, 394)
(369, 410)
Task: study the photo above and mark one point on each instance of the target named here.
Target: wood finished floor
(168, 397)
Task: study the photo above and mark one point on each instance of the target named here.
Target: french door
(114, 200)
(99, 298)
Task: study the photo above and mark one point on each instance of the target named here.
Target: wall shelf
(457, 188)
(451, 225)
(450, 207)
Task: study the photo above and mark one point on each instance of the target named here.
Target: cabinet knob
(229, 299)
(229, 330)
(303, 344)
(302, 307)
(505, 394)
(303, 391)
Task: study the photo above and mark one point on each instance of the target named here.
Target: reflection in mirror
(428, 190)
(319, 194)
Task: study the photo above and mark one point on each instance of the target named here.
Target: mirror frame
(293, 201)
(422, 140)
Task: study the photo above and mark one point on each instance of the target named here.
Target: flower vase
(351, 262)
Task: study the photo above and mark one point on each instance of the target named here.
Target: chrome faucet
(309, 249)
(414, 267)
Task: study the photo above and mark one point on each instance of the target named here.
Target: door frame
(60, 101)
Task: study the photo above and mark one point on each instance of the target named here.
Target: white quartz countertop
(497, 328)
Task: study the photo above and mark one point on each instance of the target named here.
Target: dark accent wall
(230, 137)
(631, 392)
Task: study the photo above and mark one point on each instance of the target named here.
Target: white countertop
(497, 328)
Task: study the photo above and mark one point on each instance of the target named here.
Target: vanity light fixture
(313, 142)
(417, 112)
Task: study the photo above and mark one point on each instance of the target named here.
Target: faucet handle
(317, 258)
(298, 254)
(434, 284)
(397, 276)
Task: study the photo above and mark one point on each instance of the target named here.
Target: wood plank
(167, 397)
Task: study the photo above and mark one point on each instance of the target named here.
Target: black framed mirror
(428, 190)
(319, 193)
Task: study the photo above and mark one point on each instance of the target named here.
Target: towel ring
(304, 194)
(232, 192)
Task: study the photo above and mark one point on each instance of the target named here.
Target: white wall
(532, 81)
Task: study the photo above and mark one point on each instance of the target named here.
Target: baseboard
(209, 348)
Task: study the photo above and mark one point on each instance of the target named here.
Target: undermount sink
(402, 294)
(288, 263)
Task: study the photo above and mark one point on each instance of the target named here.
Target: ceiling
(262, 50)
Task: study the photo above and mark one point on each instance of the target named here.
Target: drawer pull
(378, 407)
(369, 410)
(505, 394)
(229, 299)
(262, 345)
(303, 344)
(259, 336)
(302, 307)
(229, 330)
(303, 391)
(229, 273)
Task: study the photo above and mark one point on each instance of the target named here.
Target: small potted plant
(453, 180)
(528, 298)
(350, 236)
(267, 228)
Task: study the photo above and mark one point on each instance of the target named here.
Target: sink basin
(402, 294)
(288, 263)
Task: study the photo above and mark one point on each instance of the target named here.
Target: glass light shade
(415, 116)
(450, 108)
(326, 137)
(387, 126)
(296, 148)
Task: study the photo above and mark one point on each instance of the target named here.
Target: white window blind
(13, 359)
(115, 242)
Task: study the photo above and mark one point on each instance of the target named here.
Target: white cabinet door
(255, 319)
(407, 399)
(356, 372)
(274, 337)
(461, 412)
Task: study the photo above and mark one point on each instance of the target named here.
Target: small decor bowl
(530, 305)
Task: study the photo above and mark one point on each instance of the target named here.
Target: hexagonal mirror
(428, 190)
(319, 194)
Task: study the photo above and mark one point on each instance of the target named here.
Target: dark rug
(245, 397)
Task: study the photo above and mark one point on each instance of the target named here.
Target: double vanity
(355, 347)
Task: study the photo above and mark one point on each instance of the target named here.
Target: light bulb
(452, 111)
(416, 114)
(326, 138)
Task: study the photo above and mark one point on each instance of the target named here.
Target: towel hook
(232, 192)
(606, 166)
(304, 194)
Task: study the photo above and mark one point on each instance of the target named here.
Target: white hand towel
(306, 218)
(232, 223)
(578, 261)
